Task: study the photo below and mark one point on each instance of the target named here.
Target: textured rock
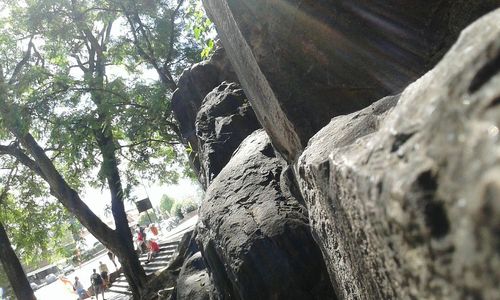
(254, 236)
(193, 282)
(303, 62)
(187, 247)
(194, 84)
(224, 120)
(404, 201)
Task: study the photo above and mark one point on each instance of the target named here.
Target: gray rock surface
(404, 199)
(303, 62)
(224, 120)
(254, 235)
(194, 282)
(194, 84)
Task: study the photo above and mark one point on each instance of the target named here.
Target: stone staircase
(167, 250)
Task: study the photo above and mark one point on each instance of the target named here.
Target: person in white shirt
(80, 290)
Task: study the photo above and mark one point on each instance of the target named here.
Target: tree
(146, 219)
(35, 227)
(166, 204)
(188, 206)
(177, 210)
(10, 262)
(60, 91)
(13, 268)
(157, 30)
(29, 152)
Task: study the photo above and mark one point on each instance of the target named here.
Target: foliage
(182, 208)
(202, 28)
(160, 31)
(4, 281)
(144, 220)
(166, 204)
(71, 80)
(37, 229)
(64, 98)
(189, 206)
(177, 210)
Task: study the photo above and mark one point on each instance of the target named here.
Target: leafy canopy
(76, 69)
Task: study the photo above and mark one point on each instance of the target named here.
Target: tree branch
(6, 188)
(172, 32)
(147, 141)
(22, 63)
(14, 151)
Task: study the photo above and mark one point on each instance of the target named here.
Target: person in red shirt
(153, 248)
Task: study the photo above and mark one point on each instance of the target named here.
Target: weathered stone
(194, 282)
(194, 84)
(224, 120)
(404, 201)
(303, 62)
(254, 236)
(187, 247)
(160, 284)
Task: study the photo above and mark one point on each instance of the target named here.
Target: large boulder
(303, 62)
(224, 120)
(194, 282)
(254, 235)
(404, 196)
(194, 84)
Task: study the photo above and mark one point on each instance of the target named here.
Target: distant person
(154, 249)
(153, 229)
(111, 256)
(142, 230)
(80, 290)
(140, 241)
(97, 282)
(78, 257)
(103, 269)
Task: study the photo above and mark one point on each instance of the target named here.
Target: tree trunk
(119, 241)
(128, 256)
(13, 268)
(131, 267)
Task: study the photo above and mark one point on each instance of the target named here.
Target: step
(154, 269)
(157, 262)
(120, 290)
(160, 257)
(161, 261)
(145, 255)
(175, 243)
(121, 285)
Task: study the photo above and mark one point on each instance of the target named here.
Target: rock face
(194, 84)
(255, 240)
(254, 236)
(396, 198)
(193, 282)
(404, 196)
(224, 120)
(303, 62)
